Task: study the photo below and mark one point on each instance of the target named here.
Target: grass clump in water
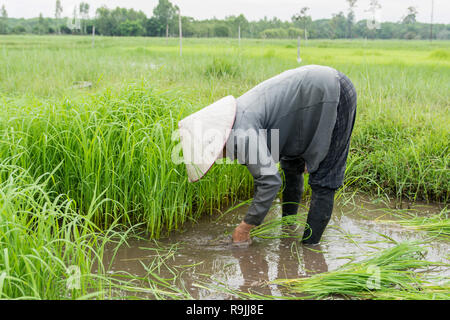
(389, 274)
(48, 249)
(436, 224)
(220, 67)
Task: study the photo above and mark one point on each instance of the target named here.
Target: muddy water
(355, 230)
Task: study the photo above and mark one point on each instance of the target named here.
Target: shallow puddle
(355, 230)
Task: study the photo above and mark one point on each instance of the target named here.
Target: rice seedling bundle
(387, 274)
(285, 227)
(437, 224)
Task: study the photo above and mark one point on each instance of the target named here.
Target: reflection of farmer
(314, 260)
(254, 271)
(304, 117)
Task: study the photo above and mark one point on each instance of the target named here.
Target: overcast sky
(392, 10)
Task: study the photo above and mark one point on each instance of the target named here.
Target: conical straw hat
(204, 135)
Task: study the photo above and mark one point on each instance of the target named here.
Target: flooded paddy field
(209, 269)
(86, 158)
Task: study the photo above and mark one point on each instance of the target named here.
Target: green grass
(43, 239)
(435, 224)
(78, 163)
(388, 274)
(50, 251)
(119, 147)
(286, 227)
(400, 144)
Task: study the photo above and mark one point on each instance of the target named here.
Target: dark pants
(329, 176)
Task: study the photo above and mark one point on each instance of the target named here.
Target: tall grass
(400, 143)
(117, 147)
(44, 242)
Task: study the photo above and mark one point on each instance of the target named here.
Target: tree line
(165, 23)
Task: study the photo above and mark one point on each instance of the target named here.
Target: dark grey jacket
(292, 114)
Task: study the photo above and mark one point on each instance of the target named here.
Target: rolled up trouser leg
(292, 192)
(320, 210)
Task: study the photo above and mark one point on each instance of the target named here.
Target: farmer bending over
(302, 118)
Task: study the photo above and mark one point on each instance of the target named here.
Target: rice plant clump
(387, 274)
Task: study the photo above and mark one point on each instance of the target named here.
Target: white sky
(392, 10)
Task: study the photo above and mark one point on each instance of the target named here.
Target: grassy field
(84, 164)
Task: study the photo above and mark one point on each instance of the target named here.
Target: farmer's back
(300, 103)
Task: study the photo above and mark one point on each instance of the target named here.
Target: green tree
(238, 23)
(351, 16)
(4, 12)
(294, 33)
(164, 14)
(410, 22)
(303, 18)
(104, 21)
(276, 33)
(19, 29)
(120, 22)
(152, 27)
(372, 24)
(42, 25)
(58, 13)
(221, 31)
(131, 28)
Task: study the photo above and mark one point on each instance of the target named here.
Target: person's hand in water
(241, 235)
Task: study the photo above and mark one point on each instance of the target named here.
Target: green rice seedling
(161, 281)
(284, 227)
(392, 268)
(119, 147)
(436, 224)
(221, 67)
(50, 251)
(47, 249)
(426, 292)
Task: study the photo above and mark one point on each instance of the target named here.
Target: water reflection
(285, 258)
(314, 259)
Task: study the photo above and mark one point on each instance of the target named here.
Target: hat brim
(204, 135)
